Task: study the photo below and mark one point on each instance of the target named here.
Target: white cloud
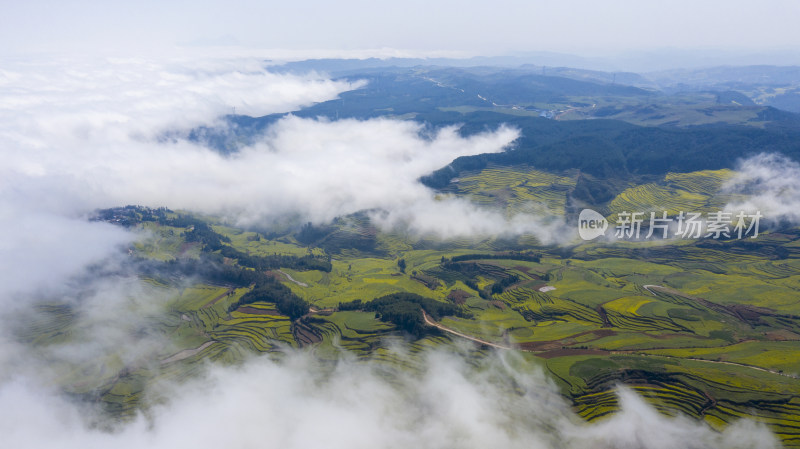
(75, 135)
(639, 425)
(41, 251)
(766, 183)
(300, 403)
(79, 136)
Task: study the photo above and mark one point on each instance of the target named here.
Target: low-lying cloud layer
(767, 183)
(77, 137)
(443, 400)
(81, 134)
(296, 405)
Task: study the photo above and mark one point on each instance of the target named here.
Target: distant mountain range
(604, 124)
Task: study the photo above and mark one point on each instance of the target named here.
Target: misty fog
(75, 137)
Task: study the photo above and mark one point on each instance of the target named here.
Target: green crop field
(706, 328)
(517, 191)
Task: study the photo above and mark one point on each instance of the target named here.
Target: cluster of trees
(131, 215)
(209, 267)
(213, 241)
(405, 310)
(309, 233)
(275, 261)
(501, 285)
(200, 231)
(355, 304)
(351, 232)
(203, 233)
(468, 271)
(493, 289)
(474, 285)
(181, 221)
(270, 290)
(432, 282)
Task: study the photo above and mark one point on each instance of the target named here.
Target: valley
(706, 328)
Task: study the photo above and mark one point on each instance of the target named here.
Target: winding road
(289, 277)
(442, 328)
(446, 329)
(648, 286)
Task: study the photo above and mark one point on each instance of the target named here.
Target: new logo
(591, 224)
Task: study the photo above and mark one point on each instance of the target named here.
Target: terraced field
(689, 192)
(710, 329)
(517, 191)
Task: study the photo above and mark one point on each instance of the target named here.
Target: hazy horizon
(618, 34)
(99, 103)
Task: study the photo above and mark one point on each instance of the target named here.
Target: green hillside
(707, 328)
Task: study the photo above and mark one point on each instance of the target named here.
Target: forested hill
(422, 94)
(479, 99)
(610, 148)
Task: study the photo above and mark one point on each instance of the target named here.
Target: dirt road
(289, 277)
(446, 329)
(442, 328)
